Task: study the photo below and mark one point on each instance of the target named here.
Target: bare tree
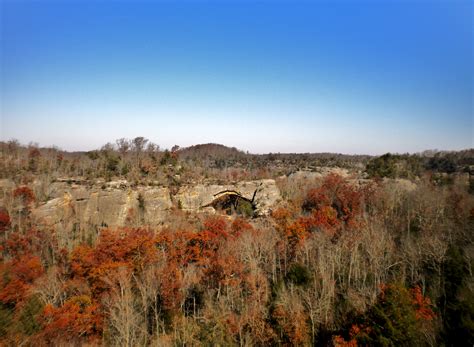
(123, 146)
(124, 319)
(50, 288)
(139, 144)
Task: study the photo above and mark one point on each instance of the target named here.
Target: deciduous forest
(369, 251)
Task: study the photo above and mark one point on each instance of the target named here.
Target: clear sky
(339, 76)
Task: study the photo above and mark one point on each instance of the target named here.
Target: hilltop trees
(411, 166)
(141, 161)
(138, 145)
(395, 166)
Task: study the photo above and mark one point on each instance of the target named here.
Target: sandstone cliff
(73, 204)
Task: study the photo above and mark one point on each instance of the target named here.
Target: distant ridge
(206, 150)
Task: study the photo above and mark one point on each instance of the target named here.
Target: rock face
(319, 172)
(193, 198)
(305, 176)
(110, 207)
(75, 206)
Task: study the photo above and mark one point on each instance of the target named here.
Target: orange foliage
(199, 248)
(203, 245)
(282, 215)
(355, 332)
(324, 218)
(78, 318)
(422, 305)
(25, 194)
(132, 248)
(4, 220)
(332, 206)
(216, 226)
(224, 270)
(33, 241)
(19, 274)
(339, 341)
(335, 203)
(173, 245)
(296, 231)
(293, 324)
(240, 225)
(170, 286)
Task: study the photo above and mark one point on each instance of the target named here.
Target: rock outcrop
(194, 198)
(77, 206)
(317, 173)
(110, 207)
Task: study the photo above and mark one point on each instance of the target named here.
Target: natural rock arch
(232, 201)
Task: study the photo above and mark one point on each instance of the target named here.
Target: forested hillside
(358, 250)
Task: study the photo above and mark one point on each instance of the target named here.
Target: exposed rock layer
(72, 205)
(105, 207)
(192, 198)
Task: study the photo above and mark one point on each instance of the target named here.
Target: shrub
(244, 208)
(397, 319)
(25, 194)
(299, 275)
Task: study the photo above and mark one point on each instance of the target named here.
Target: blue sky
(340, 76)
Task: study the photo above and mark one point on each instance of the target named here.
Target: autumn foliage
(19, 275)
(337, 265)
(25, 194)
(400, 316)
(130, 248)
(77, 317)
(4, 220)
(334, 204)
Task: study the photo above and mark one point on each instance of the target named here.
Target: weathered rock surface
(305, 176)
(193, 198)
(104, 207)
(74, 206)
(317, 173)
(156, 201)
